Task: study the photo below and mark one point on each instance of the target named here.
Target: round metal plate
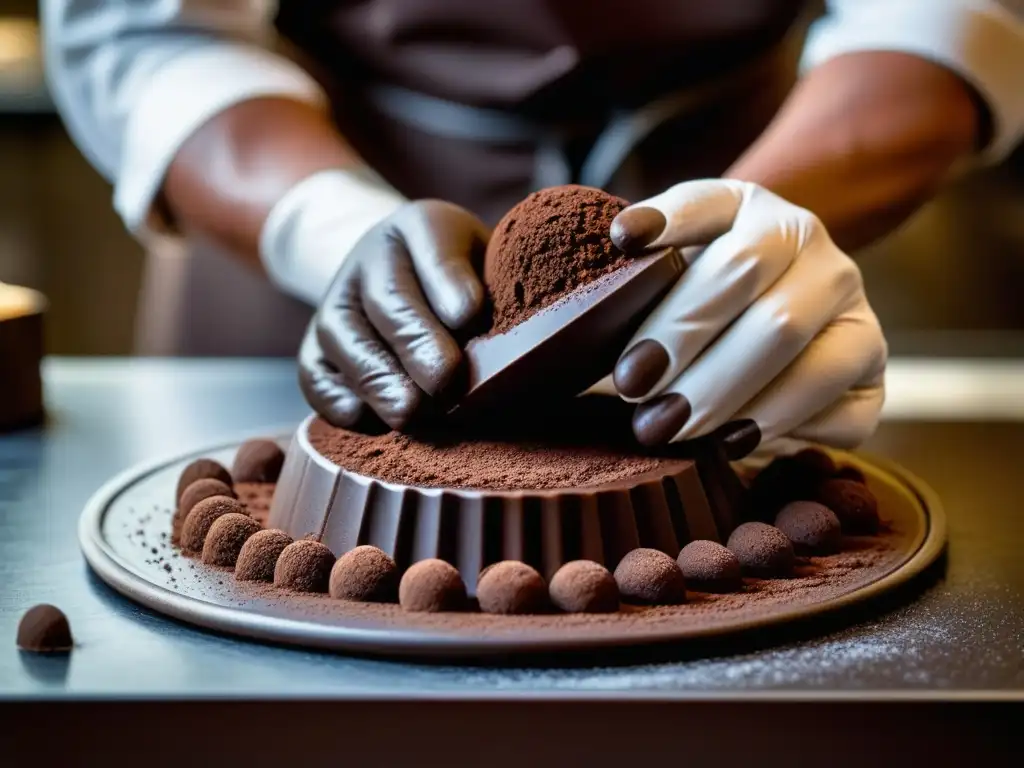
(123, 534)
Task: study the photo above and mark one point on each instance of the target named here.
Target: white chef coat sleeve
(133, 79)
(981, 40)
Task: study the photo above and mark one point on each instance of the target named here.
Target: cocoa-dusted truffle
(366, 574)
(583, 586)
(304, 566)
(816, 461)
(852, 502)
(258, 556)
(650, 577)
(812, 527)
(226, 537)
(44, 629)
(763, 550)
(201, 489)
(430, 586)
(707, 566)
(198, 521)
(258, 461)
(786, 479)
(511, 587)
(198, 470)
(850, 472)
(554, 241)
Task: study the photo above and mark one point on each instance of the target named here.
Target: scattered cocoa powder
(554, 241)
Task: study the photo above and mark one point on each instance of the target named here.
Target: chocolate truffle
(812, 527)
(44, 629)
(511, 587)
(763, 550)
(852, 502)
(198, 470)
(304, 566)
(650, 577)
(226, 537)
(258, 461)
(816, 461)
(583, 586)
(258, 557)
(850, 472)
(366, 574)
(707, 566)
(554, 241)
(196, 492)
(198, 521)
(786, 479)
(430, 586)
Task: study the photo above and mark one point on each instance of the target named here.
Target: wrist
(312, 228)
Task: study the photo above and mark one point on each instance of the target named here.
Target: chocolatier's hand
(769, 323)
(382, 335)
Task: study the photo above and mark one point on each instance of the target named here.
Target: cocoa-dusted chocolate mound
(650, 577)
(432, 586)
(852, 502)
(511, 587)
(367, 574)
(850, 472)
(304, 566)
(201, 489)
(201, 469)
(551, 243)
(585, 442)
(258, 461)
(258, 556)
(816, 461)
(198, 521)
(812, 527)
(763, 550)
(44, 629)
(226, 537)
(789, 478)
(583, 586)
(707, 566)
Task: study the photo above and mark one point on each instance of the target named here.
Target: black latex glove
(382, 337)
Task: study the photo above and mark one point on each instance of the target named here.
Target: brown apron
(480, 103)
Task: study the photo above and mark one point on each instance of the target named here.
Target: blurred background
(949, 283)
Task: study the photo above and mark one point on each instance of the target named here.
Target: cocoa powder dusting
(551, 243)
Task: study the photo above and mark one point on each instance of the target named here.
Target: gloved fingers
(324, 387)
(847, 357)
(849, 421)
(748, 356)
(351, 345)
(446, 244)
(687, 214)
(729, 276)
(391, 296)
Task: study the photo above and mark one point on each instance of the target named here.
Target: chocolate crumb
(198, 470)
(583, 586)
(304, 566)
(813, 528)
(44, 629)
(198, 521)
(708, 566)
(511, 587)
(650, 577)
(258, 461)
(367, 574)
(226, 538)
(431, 586)
(763, 550)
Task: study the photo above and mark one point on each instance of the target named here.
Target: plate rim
(401, 642)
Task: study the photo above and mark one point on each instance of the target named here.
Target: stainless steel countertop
(960, 634)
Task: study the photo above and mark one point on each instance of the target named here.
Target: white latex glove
(769, 323)
(311, 230)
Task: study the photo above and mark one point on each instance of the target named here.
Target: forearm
(227, 176)
(865, 139)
